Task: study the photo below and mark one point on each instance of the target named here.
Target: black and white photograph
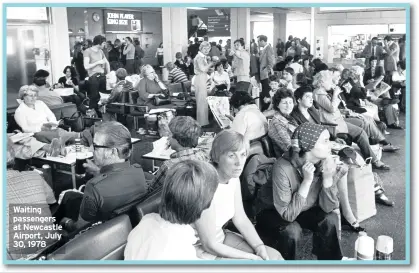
(217, 134)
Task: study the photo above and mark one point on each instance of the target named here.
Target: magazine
(220, 107)
(372, 85)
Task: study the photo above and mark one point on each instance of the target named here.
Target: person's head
(117, 42)
(196, 40)
(316, 62)
(136, 42)
(346, 74)
(312, 142)
(109, 44)
(299, 79)
(304, 96)
(148, 71)
(170, 66)
(215, 59)
(188, 190)
(373, 61)
(219, 67)
(323, 79)
(121, 74)
(288, 73)
(87, 44)
(335, 74)
(111, 143)
(297, 58)
(374, 41)
(297, 42)
(99, 41)
(321, 67)
(185, 133)
(40, 77)
(283, 101)
(241, 99)
(262, 40)
(228, 153)
(290, 38)
(205, 47)
(10, 154)
(401, 65)
(161, 45)
(178, 55)
(28, 94)
(114, 66)
(293, 43)
(220, 42)
(77, 47)
(238, 44)
(128, 40)
(388, 39)
(306, 61)
(69, 71)
(289, 59)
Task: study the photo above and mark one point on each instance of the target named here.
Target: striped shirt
(177, 76)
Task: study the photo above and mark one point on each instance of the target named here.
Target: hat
(306, 136)
(41, 73)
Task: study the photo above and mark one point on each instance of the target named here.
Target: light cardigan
(31, 120)
(250, 122)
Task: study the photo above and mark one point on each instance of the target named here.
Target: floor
(389, 221)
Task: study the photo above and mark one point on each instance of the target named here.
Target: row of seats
(106, 241)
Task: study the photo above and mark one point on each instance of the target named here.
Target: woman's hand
(253, 257)
(329, 166)
(262, 252)
(230, 117)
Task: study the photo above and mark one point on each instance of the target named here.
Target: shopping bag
(361, 190)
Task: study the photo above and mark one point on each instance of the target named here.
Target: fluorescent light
(265, 16)
(197, 8)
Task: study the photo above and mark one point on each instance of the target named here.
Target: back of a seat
(106, 241)
(187, 86)
(64, 110)
(174, 88)
(149, 205)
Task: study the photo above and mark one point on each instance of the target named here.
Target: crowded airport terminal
(182, 133)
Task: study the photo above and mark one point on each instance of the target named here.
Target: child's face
(274, 85)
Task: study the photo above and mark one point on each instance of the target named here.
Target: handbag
(158, 100)
(75, 122)
(361, 190)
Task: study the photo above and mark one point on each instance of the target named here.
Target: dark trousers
(130, 66)
(360, 137)
(97, 83)
(264, 94)
(326, 244)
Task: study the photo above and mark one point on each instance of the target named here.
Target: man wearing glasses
(116, 182)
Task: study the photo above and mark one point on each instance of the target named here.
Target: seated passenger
(228, 155)
(176, 75)
(249, 120)
(220, 78)
(50, 98)
(149, 86)
(70, 81)
(188, 191)
(34, 116)
(185, 133)
(116, 182)
(122, 85)
(305, 196)
(25, 189)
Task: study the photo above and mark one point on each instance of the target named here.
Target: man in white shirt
(241, 65)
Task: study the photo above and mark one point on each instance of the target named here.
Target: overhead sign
(122, 21)
(36, 14)
(218, 26)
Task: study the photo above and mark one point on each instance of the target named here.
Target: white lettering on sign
(119, 18)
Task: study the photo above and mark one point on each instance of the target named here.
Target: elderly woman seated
(328, 105)
(228, 155)
(34, 116)
(187, 192)
(249, 120)
(149, 87)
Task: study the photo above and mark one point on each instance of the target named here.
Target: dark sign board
(216, 22)
(219, 25)
(122, 21)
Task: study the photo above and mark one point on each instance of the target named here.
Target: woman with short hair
(202, 66)
(220, 78)
(188, 190)
(228, 155)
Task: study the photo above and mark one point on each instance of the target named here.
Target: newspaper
(220, 107)
(64, 91)
(20, 136)
(373, 85)
(382, 89)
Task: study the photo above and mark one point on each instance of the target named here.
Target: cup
(365, 248)
(384, 248)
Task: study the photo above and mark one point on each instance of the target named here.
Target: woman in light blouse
(159, 54)
(220, 78)
(202, 66)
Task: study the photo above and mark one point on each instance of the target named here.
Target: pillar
(312, 34)
(252, 30)
(59, 42)
(175, 32)
(280, 27)
(240, 25)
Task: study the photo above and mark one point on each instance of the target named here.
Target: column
(252, 28)
(59, 42)
(175, 32)
(280, 27)
(240, 25)
(313, 37)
